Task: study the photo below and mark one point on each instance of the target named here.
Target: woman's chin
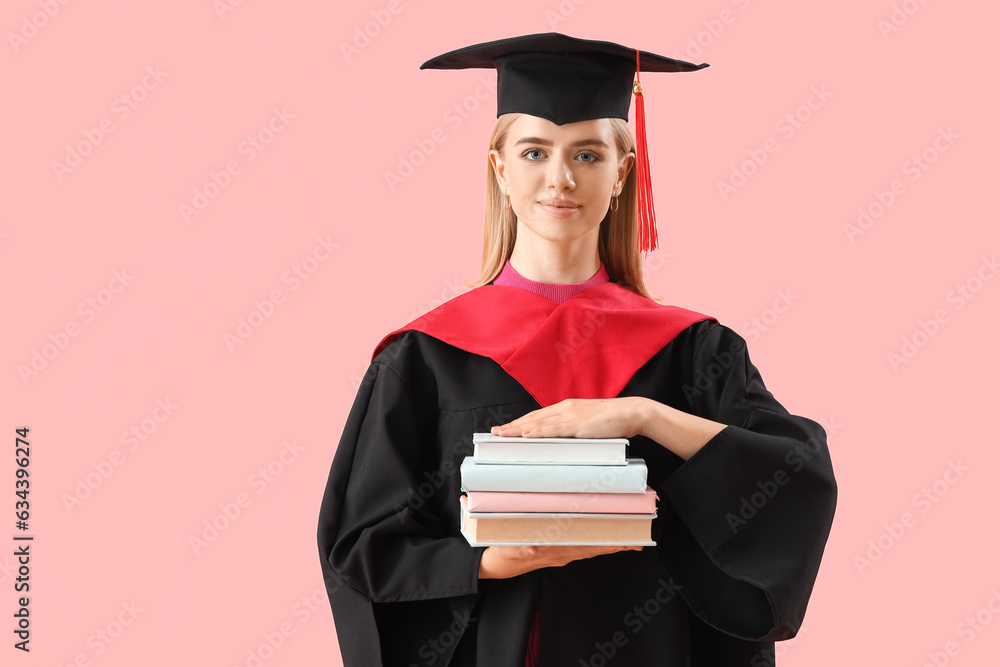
(560, 231)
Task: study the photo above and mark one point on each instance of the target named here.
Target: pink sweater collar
(552, 291)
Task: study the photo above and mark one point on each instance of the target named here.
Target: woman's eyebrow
(545, 142)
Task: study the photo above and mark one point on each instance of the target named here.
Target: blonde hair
(618, 237)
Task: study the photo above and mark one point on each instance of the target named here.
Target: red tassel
(647, 218)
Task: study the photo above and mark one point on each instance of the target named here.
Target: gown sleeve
(379, 530)
(395, 567)
(750, 512)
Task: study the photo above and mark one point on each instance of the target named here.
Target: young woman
(560, 338)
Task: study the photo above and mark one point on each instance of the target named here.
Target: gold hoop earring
(507, 203)
(614, 203)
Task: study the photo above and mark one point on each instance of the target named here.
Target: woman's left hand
(626, 417)
(581, 418)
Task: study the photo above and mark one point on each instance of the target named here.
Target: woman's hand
(624, 417)
(503, 562)
(581, 418)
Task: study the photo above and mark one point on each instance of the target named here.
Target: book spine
(629, 478)
(598, 503)
(557, 529)
(493, 452)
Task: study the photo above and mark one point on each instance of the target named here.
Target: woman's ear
(499, 168)
(624, 167)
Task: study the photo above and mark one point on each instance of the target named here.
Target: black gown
(740, 531)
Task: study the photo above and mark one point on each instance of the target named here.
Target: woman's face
(560, 178)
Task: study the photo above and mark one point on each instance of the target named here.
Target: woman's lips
(559, 208)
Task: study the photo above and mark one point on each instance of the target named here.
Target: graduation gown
(741, 525)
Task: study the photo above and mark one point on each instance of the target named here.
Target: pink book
(597, 503)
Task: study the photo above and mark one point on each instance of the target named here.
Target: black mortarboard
(565, 80)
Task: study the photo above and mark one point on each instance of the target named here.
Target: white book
(566, 451)
(558, 478)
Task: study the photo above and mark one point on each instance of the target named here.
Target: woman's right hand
(502, 562)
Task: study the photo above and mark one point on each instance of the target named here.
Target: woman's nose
(560, 175)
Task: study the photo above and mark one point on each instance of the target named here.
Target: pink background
(319, 176)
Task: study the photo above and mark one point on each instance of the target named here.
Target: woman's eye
(538, 154)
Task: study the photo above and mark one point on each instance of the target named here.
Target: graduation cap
(565, 80)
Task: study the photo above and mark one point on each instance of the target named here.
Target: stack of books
(579, 491)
